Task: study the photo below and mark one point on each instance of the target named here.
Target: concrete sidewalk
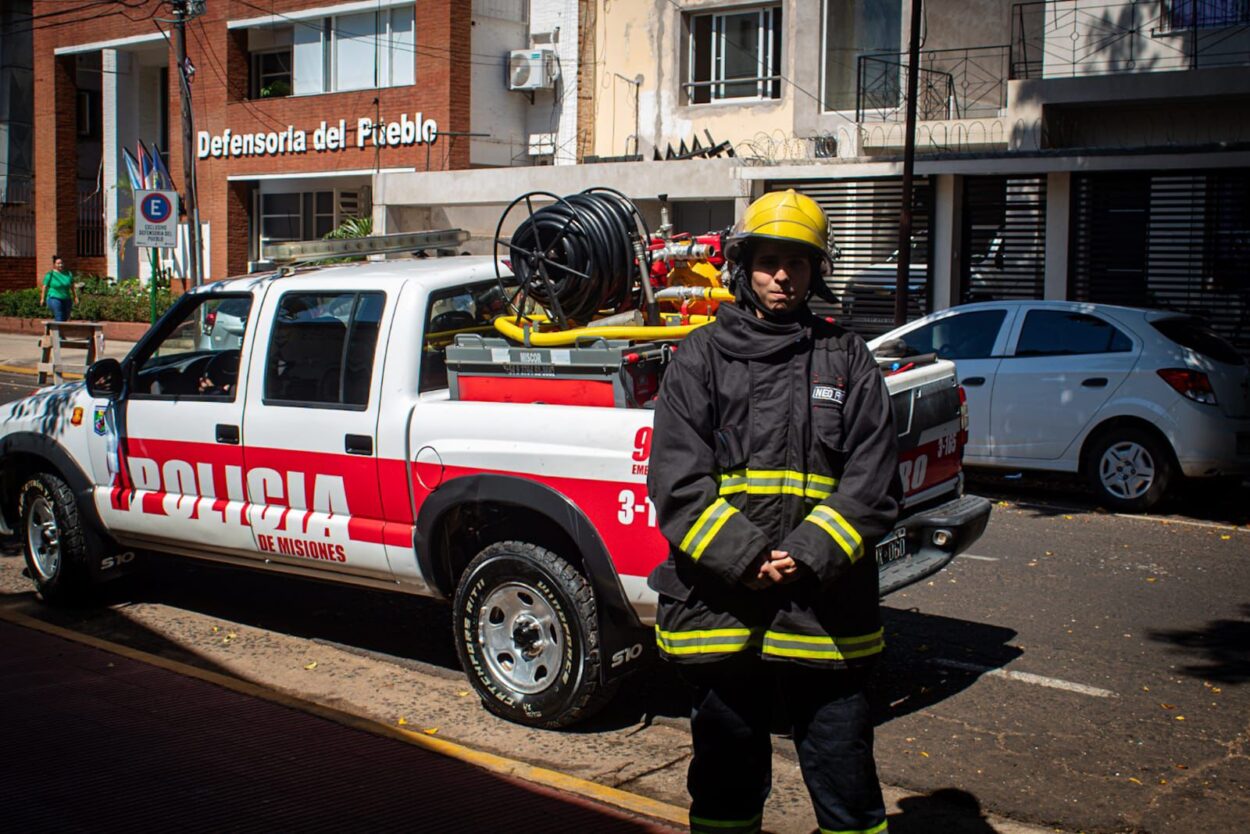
(19, 352)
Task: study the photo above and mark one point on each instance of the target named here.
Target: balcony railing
(951, 84)
(1074, 38)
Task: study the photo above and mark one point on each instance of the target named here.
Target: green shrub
(99, 299)
(23, 304)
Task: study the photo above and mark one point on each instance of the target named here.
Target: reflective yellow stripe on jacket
(876, 829)
(707, 640)
(781, 644)
(839, 529)
(700, 825)
(776, 482)
(706, 528)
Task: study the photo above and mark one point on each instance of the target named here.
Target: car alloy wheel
(1127, 470)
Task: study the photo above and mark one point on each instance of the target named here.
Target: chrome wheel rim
(43, 538)
(521, 638)
(1127, 471)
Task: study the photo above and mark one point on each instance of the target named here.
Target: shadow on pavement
(1221, 501)
(1222, 647)
(947, 810)
(929, 658)
(405, 629)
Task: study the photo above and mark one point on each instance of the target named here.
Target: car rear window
(1196, 336)
(1067, 333)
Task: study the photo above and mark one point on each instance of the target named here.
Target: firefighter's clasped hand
(774, 567)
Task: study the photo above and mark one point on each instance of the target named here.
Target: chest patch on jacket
(828, 395)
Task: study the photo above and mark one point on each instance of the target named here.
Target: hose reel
(577, 256)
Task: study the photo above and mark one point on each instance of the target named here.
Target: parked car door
(1062, 367)
(974, 340)
(311, 429)
(168, 459)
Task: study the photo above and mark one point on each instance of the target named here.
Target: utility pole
(909, 165)
(185, 10)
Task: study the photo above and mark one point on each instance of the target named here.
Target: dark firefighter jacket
(772, 436)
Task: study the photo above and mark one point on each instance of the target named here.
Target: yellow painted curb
(18, 369)
(488, 761)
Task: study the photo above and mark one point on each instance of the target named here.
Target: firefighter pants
(731, 771)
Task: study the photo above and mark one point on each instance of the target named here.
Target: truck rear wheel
(528, 636)
(55, 544)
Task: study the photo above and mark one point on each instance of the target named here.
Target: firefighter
(773, 473)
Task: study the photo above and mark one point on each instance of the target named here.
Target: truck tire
(528, 637)
(54, 541)
(1129, 469)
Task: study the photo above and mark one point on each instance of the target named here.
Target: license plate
(892, 548)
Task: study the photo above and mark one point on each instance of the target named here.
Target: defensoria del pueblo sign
(327, 137)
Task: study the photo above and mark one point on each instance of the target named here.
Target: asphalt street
(1078, 670)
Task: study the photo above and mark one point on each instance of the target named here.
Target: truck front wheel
(55, 545)
(528, 637)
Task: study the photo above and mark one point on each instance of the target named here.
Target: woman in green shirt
(58, 290)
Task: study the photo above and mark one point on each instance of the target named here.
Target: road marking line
(978, 558)
(1158, 519)
(632, 802)
(1164, 520)
(1026, 677)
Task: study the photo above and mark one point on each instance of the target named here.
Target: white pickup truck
(322, 440)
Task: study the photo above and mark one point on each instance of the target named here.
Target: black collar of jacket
(744, 335)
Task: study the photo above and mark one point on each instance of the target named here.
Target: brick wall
(441, 92)
(18, 273)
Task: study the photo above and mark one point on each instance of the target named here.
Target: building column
(1058, 222)
(111, 154)
(56, 157)
(946, 231)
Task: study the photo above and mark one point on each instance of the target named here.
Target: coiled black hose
(576, 257)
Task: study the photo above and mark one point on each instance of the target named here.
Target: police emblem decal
(100, 423)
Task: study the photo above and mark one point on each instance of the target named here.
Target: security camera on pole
(185, 10)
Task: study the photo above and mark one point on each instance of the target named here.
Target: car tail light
(1193, 384)
(963, 415)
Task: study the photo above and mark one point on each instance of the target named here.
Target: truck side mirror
(104, 378)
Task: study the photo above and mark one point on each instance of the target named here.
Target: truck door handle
(973, 381)
(358, 444)
(1095, 382)
(227, 434)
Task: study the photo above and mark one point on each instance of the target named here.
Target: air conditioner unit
(532, 69)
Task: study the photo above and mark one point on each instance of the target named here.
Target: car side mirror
(104, 378)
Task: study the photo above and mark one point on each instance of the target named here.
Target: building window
(271, 74)
(853, 29)
(356, 51)
(308, 215)
(735, 55)
(1184, 14)
(333, 54)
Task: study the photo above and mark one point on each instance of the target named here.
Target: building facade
(1085, 149)
(297, 107)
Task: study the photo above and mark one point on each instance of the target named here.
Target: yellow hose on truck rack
(509, 327)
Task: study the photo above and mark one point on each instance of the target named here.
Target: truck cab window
(321, 349)
(199, 357)
(470, 309)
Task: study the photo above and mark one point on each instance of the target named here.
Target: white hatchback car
(1129, 397)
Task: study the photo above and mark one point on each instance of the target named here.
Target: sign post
(156, 227)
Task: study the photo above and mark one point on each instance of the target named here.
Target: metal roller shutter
(1174, 241)
(1004, 238)
(864, 217)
